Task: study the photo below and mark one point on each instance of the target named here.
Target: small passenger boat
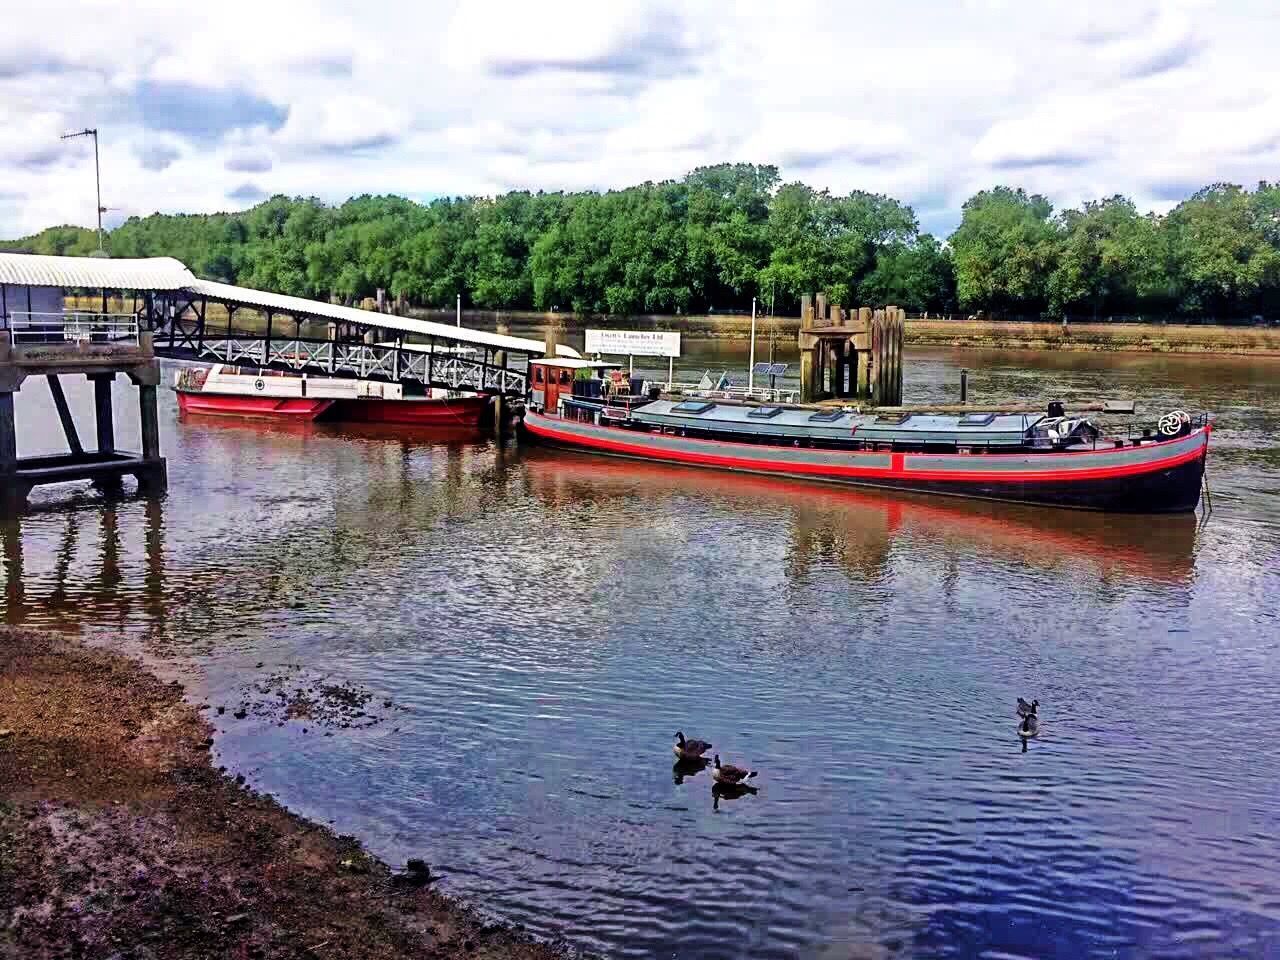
(223, 390)
(1041, 458)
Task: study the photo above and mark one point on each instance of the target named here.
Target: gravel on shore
(119, 840)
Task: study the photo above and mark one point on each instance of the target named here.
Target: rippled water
(549, 621)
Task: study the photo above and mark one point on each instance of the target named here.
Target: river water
(543, 623)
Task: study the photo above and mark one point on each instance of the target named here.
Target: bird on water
(689, 749)
(1027, 709)
(729, 774)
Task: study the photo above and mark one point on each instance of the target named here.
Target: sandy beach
(119, 839)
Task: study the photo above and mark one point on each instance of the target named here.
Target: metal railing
(71, 327)
(366, 361)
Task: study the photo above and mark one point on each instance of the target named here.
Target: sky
(216, 106)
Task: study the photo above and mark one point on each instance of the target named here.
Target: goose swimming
(1027, 709)
(729, 774)
(689, 749)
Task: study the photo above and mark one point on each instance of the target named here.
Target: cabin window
(537, 375)
(826, 416)
(692, 406)
(566, 378)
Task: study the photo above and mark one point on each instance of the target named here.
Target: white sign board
(634, 343)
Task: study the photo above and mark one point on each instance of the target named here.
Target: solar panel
(762, 368)
(826, 416)
(777, 369)
(764, 413)
(976, 419)
(894, 419)
(692, 406)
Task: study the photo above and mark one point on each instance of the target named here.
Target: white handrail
(71, 326)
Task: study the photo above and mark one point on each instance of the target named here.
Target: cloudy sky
(215, 106)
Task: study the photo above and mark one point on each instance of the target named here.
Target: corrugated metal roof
(166, 273)
(155, 273)
(332, 311)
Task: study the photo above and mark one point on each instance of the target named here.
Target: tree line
(724, 234)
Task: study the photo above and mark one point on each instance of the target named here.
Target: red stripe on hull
(457, 412)
(1036, 486)
(261, 408)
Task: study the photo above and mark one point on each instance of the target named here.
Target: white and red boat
(229, 391)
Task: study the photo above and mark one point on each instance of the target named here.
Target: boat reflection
(858, 528)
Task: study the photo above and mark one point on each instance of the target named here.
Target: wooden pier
(100, 350)
(850, 354)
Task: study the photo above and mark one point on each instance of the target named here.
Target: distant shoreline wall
(985, 334)
(1181, 338)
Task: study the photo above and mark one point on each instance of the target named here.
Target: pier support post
(13, 495)
(103, 417)
(64, 414)
(499, 415)
(8, 437)
(150, 421)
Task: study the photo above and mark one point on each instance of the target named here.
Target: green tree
(1223, 255)
(1004, 251)
(1110, 259)
(916, 276)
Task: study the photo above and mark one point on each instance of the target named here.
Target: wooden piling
(8, 435)
(864, 353)
(150, 421)
(103, 416)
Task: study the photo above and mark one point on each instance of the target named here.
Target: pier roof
(37, 270)
(300, 306)
(169, 275)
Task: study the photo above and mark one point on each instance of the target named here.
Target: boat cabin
(551, 379)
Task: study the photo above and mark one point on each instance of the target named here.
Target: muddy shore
(119, 840)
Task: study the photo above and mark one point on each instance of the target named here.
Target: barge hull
(1162, 477)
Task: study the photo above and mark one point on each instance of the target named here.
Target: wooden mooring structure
(853, 354)
(101, 351)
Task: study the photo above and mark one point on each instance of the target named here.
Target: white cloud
(925, 100)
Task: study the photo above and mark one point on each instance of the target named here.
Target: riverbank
(980, 334)
(1096, 337)
(118, 838)
(1186, 338)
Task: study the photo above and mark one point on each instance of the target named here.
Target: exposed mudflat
(118, 838)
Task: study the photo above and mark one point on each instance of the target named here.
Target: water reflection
(856, 530)
(89, 572)
(687, 768)
(730, 791)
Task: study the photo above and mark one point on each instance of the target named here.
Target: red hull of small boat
(456, 412)
(259, 408)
